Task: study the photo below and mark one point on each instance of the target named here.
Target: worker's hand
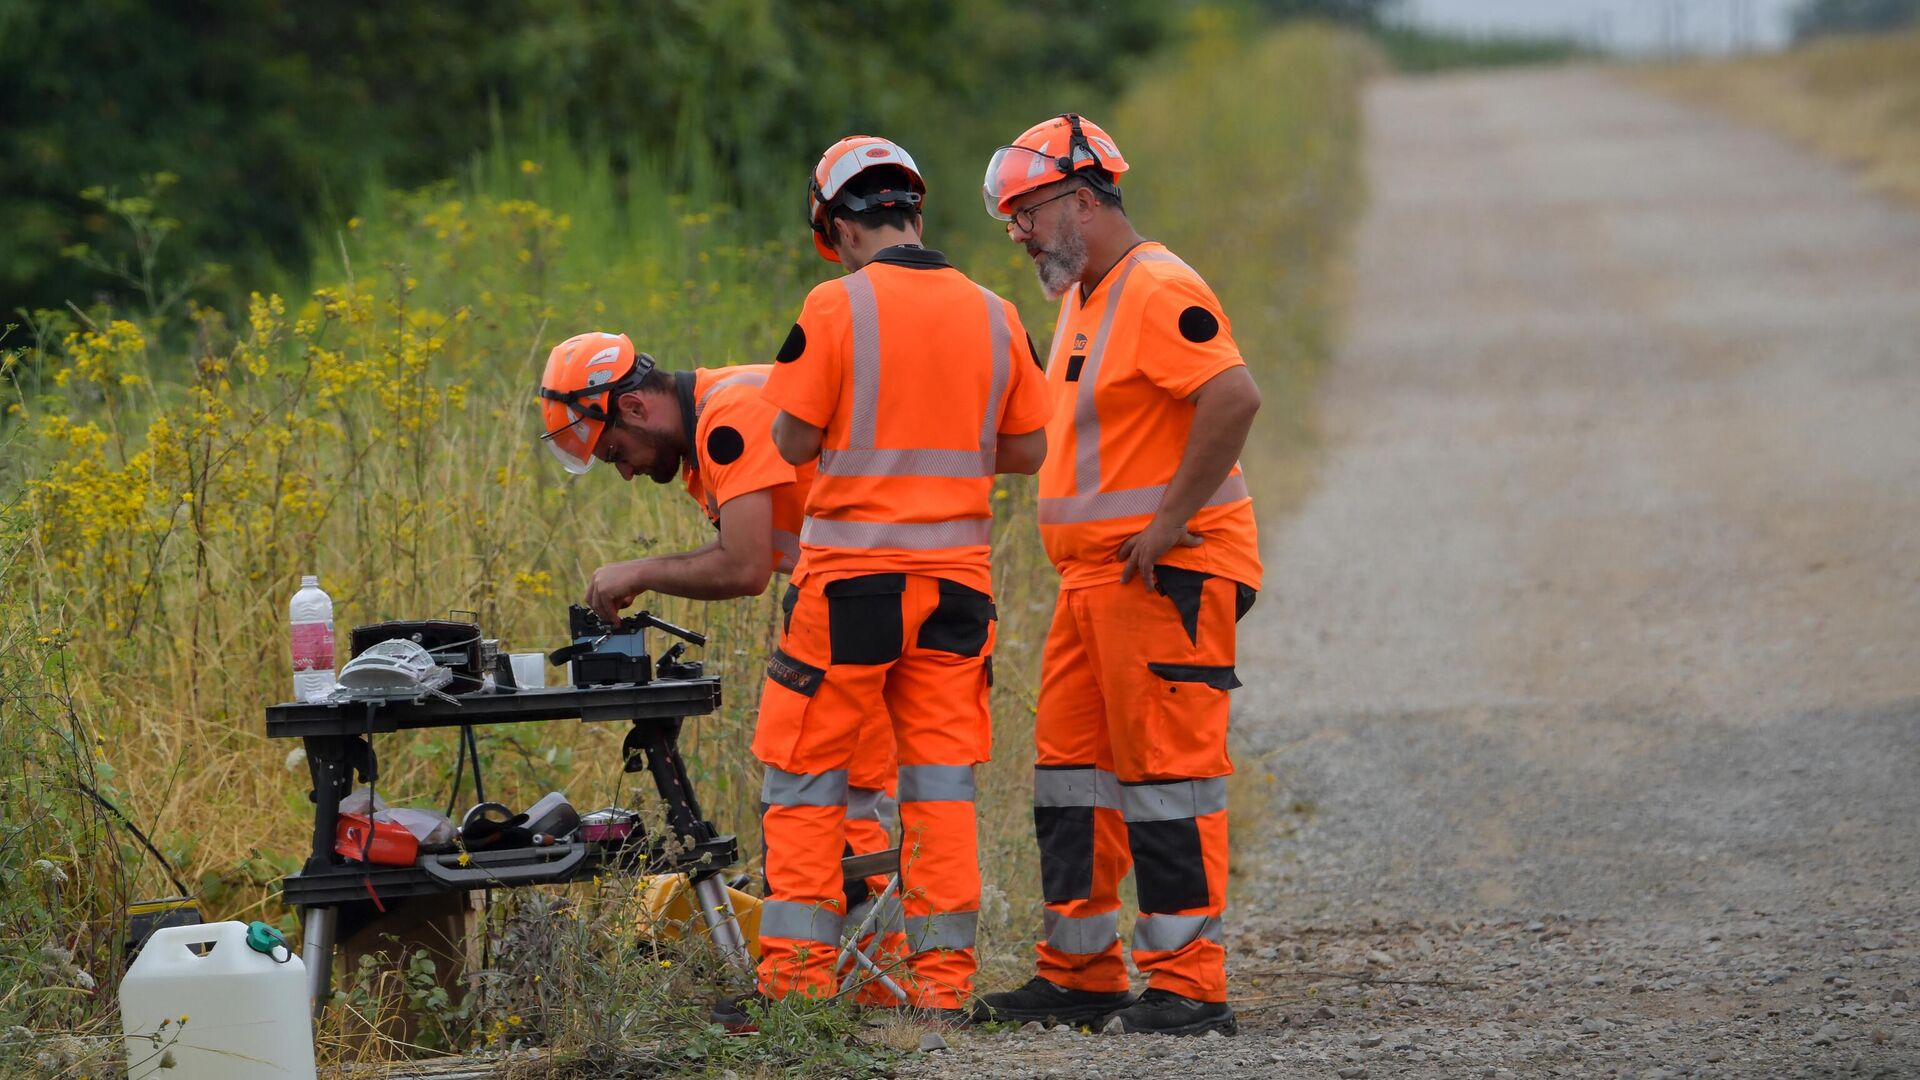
(614, 586)
(1141, 550)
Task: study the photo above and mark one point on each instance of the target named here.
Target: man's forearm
(1219, 434)
(707, 573)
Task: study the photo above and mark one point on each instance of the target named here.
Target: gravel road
(1589, 675)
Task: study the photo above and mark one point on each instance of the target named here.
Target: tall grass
(380, 431)
(1856, 99)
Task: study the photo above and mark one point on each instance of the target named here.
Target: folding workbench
(339, 743)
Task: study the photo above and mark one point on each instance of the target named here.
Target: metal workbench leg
(716, 910)
(316, 952)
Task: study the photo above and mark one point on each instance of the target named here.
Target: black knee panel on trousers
(1066, 851)
(863, 619)
(1169, 868)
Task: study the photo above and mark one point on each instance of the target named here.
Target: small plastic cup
(530, 670)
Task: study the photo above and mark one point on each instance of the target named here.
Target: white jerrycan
(198, 1002)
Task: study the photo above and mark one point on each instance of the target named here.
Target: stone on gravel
(1354, 1073)
(931, 1041)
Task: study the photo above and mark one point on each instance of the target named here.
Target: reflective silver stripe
(1002, 371)
(880, 462)
(1088, 935)
(740, 378)
(863, 803)
(904, 535)
(1076, 787)
(1059, 331)
(891, 919)
(866, 362)
(782, 788)
(936, 783)
(1086, 418)
(1103, 505)
(800, 922)
(955, 930)
(787, 546)
(1173, 801)
(1166, 933)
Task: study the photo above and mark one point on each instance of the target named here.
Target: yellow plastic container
(669, 903)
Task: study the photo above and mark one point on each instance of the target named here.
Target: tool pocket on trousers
(863, 619)
(784, 700)
(1065, 834)
(960, 623)
(1185, 720)
(787, 603)
(1183, 587)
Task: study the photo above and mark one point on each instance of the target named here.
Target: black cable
(172, 874)
(459, 770)
(473, 750)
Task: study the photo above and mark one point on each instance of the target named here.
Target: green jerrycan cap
(263, 938)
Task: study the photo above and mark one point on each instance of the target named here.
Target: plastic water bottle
(311, 613)
(202, 1002)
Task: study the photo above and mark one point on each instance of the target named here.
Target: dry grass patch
(1856, 99)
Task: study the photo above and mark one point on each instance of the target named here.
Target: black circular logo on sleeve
(795, 344)
(1197, 324)
(724, 445)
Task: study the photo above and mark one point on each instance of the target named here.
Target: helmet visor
(572, 441)
(1014, 171)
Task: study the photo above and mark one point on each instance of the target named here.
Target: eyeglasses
(1024, 218)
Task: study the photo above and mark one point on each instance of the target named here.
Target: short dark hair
(657, 381)
(1106, 190)
(871, 182)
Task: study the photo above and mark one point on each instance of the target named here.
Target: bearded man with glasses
(1145, 513)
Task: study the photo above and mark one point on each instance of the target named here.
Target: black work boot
(1163, 1012)
(1049, 1003)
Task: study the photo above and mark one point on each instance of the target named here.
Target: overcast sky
(1635, 26)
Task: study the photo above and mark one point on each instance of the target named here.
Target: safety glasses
(1024, 216)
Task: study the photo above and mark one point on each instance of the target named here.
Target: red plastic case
(391, 843)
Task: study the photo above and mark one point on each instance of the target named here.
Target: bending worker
(912, 386)
(1145, 514)
(601, 400)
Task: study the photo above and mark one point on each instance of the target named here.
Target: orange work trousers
(916, 648)
(1131, 772)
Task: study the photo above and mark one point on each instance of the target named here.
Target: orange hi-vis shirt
(731, 451)
(1123, 361)
(913, 371)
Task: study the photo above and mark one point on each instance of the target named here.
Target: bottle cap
(310, 581)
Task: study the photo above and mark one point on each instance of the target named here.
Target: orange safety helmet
(1050, 151)
(585, 373)
(842, 162)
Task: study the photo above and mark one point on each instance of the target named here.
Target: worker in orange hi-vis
(912, 386)
(1145, 513)
(602, 400)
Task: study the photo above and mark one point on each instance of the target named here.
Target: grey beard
(1060, 265)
